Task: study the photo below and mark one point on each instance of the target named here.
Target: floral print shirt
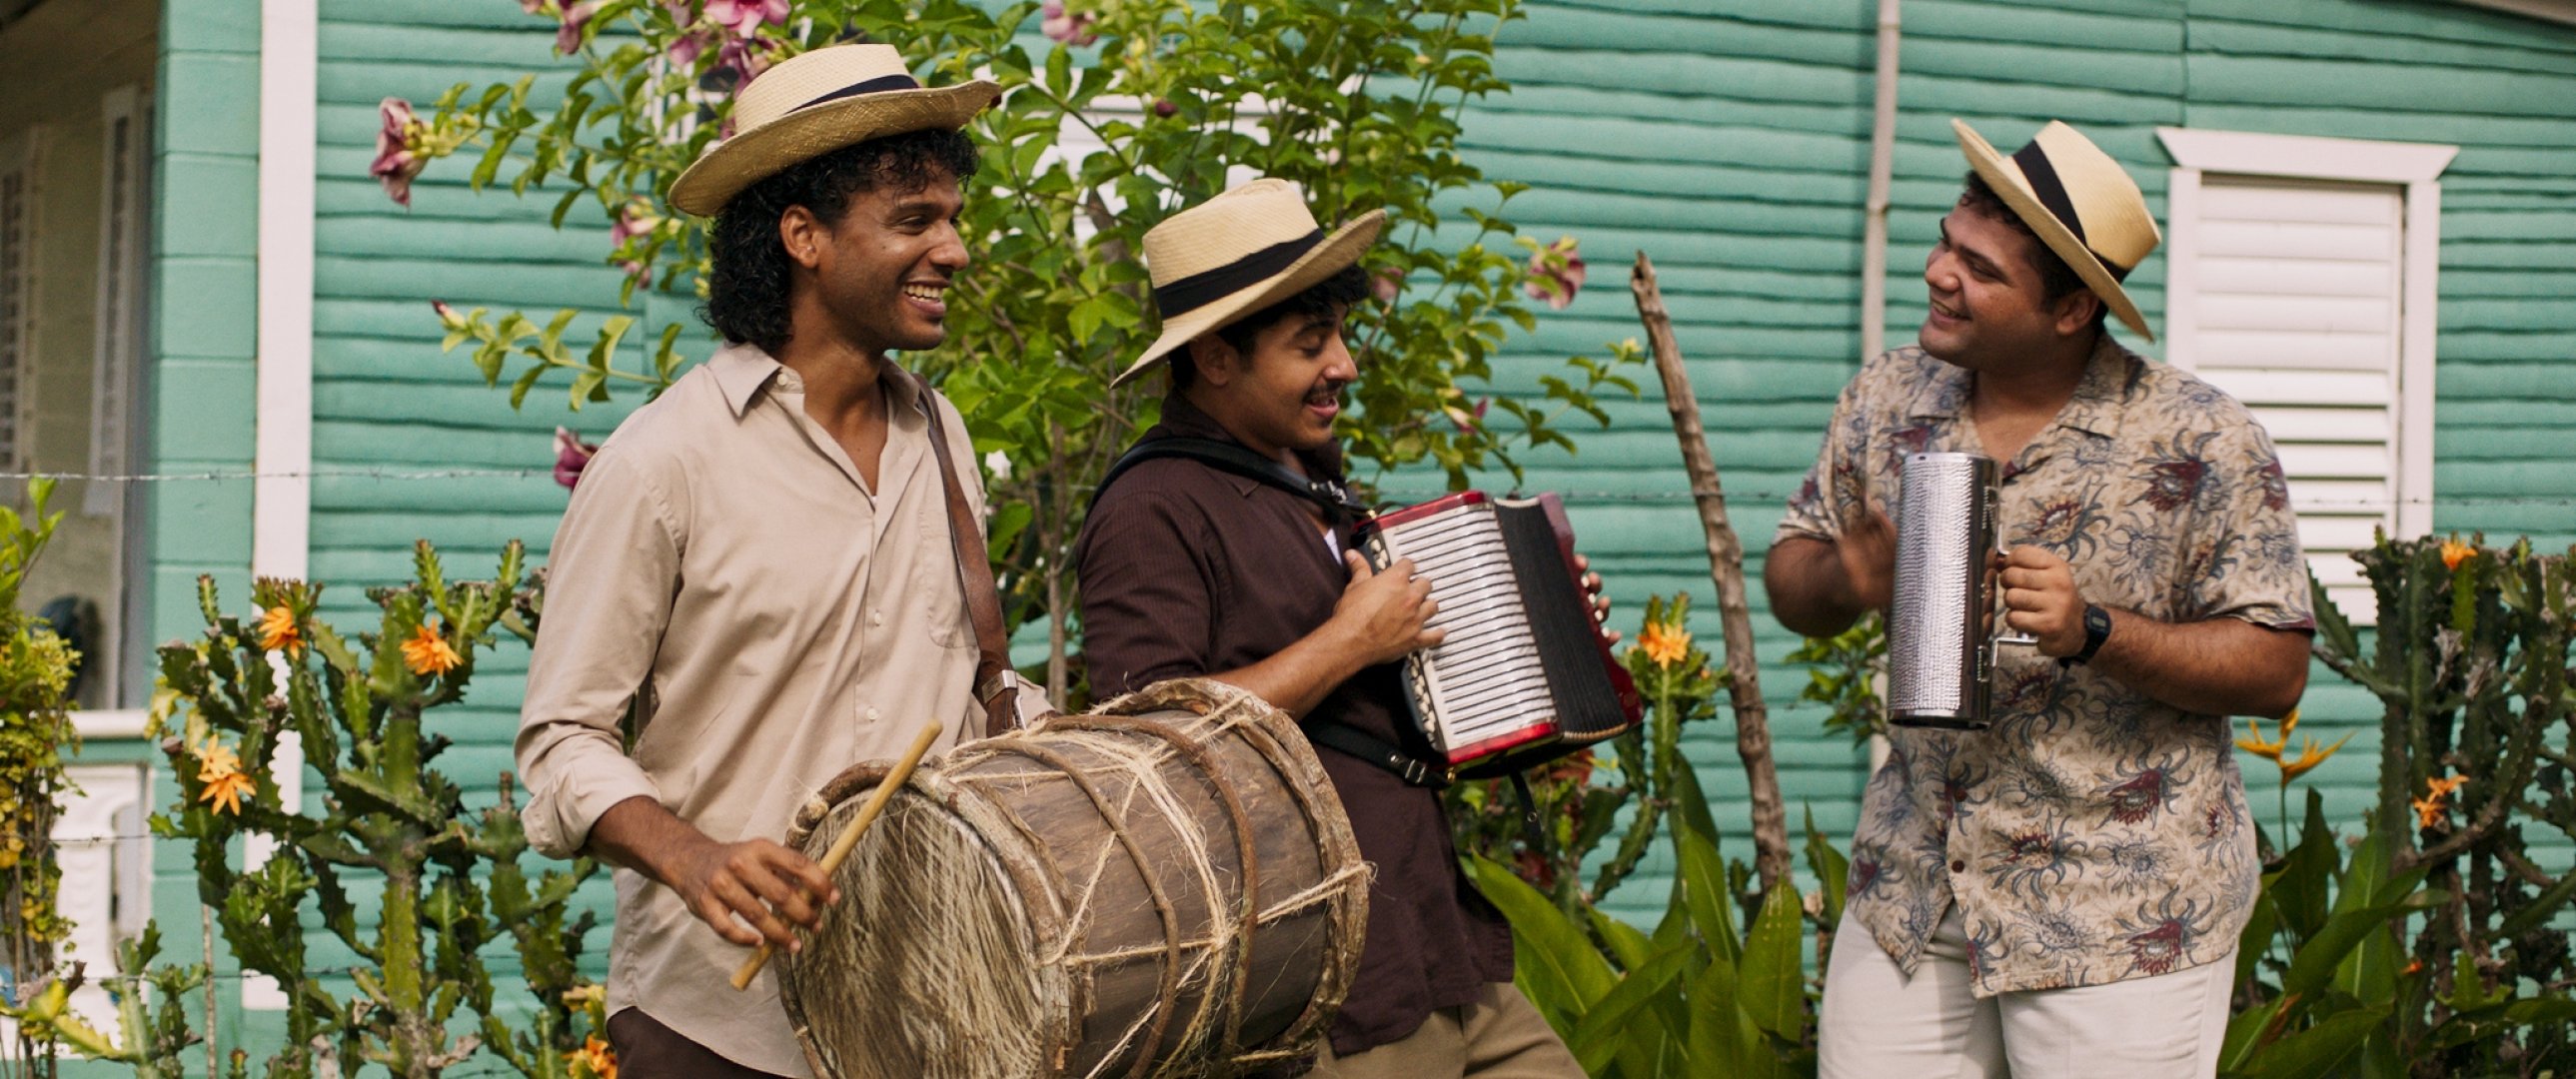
(2091, 834)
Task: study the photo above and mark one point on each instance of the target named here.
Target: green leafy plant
(35, 733)
(448, 879)
(1844, 677)
(1714, 990)
(2470, 662)
(1358, 103)
(152, 1024)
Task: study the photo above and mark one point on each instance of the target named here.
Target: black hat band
(2051, 191)
(1208, 286)
(879, 84)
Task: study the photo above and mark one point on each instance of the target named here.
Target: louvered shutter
(2297, 295)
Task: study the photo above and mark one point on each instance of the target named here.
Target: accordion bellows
(1523, 675)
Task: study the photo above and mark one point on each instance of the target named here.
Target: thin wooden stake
(1726, 567)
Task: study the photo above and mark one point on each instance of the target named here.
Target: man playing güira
(1245, 573)
(761, 560)
(2059, 894)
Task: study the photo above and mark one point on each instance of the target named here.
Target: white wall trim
(2416, 167)
(2305, 156)
(289, 74)
(282, 496)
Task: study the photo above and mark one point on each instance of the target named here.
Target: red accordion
(1524, 675)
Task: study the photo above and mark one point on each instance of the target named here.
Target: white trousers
(1879, 1023)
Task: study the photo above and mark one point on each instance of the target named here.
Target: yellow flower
(2271, 750)
(219, 768)
(426, 653)
(277, 631)
(1664, 644)
(2309, 757)
(2455, 552)
(594, 1060)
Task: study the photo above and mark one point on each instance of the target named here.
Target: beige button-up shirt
(2093, 834)
(790, 622)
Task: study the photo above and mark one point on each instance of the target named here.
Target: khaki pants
(1498, 1035)
(1879, 1022)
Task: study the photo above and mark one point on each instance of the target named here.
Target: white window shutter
(2296, 290)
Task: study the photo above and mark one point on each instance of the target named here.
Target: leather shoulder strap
(974, 575)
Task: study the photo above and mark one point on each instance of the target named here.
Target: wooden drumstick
(848, 840)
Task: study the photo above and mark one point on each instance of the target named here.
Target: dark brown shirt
(1187, 570)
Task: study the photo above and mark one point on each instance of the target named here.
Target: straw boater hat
(1237, 253)
(815, 103)
(2079, 201)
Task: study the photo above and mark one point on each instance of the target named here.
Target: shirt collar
(2109, 373)
(742, 370)
(1183, 419)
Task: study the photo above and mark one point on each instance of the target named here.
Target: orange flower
(277, 631)
(426, 653)
(1666, 645)
(594, 1060)
(2309, 757)
(219, 768)
(2432, 808)
(2271, 750)
(2455, 552)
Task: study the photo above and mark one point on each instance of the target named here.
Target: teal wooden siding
(1731, 143)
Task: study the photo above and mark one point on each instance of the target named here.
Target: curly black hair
(2057, 280)
(1344, 288)
(747, 286)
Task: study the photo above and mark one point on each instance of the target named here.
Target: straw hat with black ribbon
(2079, 202)
(1253, 246)
(818, 102)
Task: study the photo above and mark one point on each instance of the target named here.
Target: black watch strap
(2097, 629)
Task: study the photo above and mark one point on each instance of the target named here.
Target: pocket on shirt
(937, 584)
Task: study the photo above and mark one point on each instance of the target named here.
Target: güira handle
(848, 840)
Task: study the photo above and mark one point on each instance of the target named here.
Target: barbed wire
(1757, 496)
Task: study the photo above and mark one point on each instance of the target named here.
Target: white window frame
(23, 153)
(2415, 167)
(124, 254)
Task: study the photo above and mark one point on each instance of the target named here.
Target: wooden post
(1726, 567)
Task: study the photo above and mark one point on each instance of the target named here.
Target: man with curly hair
(756, 584)
(2059, 894)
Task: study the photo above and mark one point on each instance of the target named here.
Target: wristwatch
(2097, 629)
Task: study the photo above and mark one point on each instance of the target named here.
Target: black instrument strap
(1338, 504)
(1372, 750)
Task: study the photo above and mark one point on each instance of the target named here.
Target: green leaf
(2314, 1052)
(1772, 986)
(526, 381)
(1554, 962)
(1831, 869)
(1626, 1014)
(2314, 965)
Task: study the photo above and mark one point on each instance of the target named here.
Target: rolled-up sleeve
(1145, 605)
(610, 578)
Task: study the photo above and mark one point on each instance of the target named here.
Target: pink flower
(744, 17)
(685, 49)
(1555, 274)
(1465, 420)
(1071, 28)
(576, 17)
(447, 316)
(747, 57)
(571, 454)
(396, 165)
(1166, 108)
(635, 220)
(1387, 283)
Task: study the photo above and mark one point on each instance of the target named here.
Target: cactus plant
(2477, 740)
(450, 878)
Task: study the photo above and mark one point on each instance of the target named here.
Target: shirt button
(872, 715)
(1956, 865)
(876, 618)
